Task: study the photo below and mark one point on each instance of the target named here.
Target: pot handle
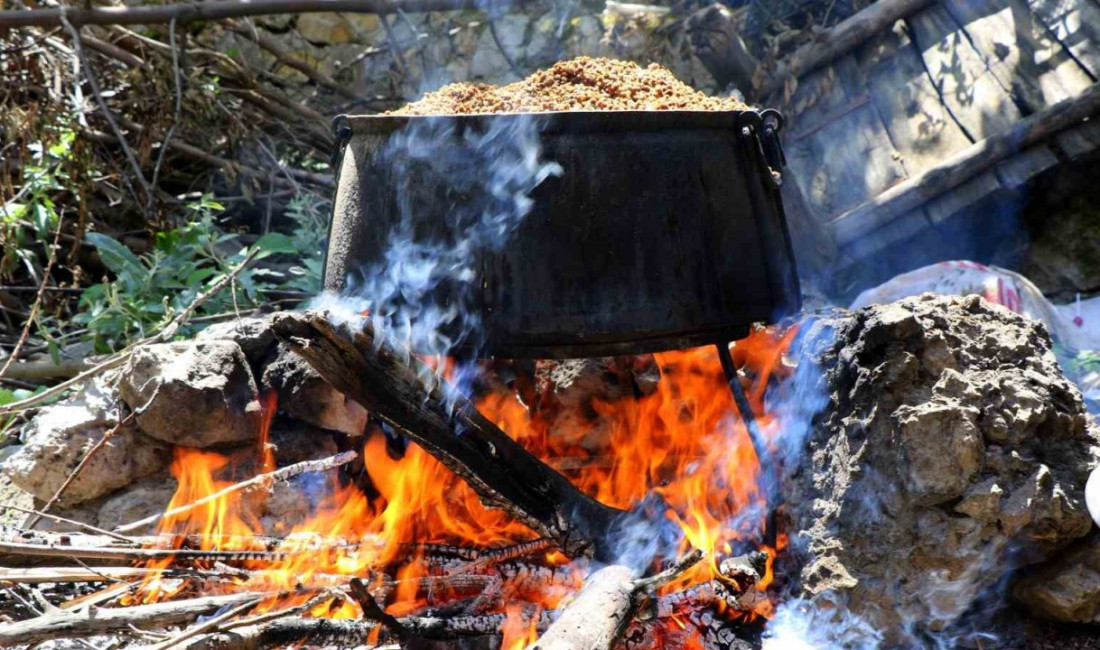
(773, 149)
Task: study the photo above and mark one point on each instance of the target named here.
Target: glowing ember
(681, 450)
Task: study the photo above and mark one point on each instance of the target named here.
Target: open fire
(423, 543)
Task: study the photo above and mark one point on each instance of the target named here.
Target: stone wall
(443, 47)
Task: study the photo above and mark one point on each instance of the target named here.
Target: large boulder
(950, 443)
(195, 394)
(60, 436)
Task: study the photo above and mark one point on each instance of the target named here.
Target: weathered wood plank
(1025, 165)
(920, 128)
(839, 40)
(831, 136)
(973, 95)
(818, 98)
(1080, 141)
(1020, 51)
(1076, 25)
(949, 204)
(900, 229)
(844, 162)
(966, 164)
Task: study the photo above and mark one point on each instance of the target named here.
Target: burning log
(601, 612)
(401, 390)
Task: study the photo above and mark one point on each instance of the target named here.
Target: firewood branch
(260, 481)
(64, 623)
(608, 602)
(401, 390)
(186, 12)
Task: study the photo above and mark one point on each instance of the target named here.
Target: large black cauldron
(665, 229)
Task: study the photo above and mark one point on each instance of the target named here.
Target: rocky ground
(941, 478)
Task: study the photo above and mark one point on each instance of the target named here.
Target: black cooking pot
(656, 230)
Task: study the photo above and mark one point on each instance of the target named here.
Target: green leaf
(275, 242)
(117, 257)
(197, 277)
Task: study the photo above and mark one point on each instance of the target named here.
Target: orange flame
(683, 442)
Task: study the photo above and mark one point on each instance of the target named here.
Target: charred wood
(401, 390)
(600, 614)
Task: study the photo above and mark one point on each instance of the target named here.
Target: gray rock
(295, 441)
(140, 500)
(61, 435)
(304, 395)
(199, 394)
(949, 438)
(252, 333)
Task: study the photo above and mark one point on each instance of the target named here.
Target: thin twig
(72, 522)
(211, 624)
(372, 610)
(658, 580)
(395, 48)
(500, 46)
(166, 334)
(260, 481)
(142, 554)
(37, 301)
(106, 110)
(179, 100)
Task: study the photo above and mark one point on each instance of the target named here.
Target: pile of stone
(204, 394)
(946, 465)
(952, 452)
(209, 394)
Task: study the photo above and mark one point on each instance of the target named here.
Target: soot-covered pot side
(663, 230)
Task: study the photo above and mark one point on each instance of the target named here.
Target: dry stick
(69, 574)
(288, 632)
(37, 302)
(402, 391)
(72, 522)
(291, 61)
(260, 481)
(372, 611)
(118, 358)
(144, 554)
(187, 12)
(512, 552)
(605, 606)
(44, 369)
(500, 46)
(179, 100)
(108, 114)
(211, 624)
(198, 154)
(101, 620)
(838, 40)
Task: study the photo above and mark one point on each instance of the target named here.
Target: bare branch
(191, 11)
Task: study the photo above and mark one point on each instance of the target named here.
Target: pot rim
(569, 121)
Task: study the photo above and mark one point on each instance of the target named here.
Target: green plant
(149, 290)
(31, 213)
(310, 216)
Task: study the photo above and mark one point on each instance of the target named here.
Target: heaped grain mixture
(581, 84)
